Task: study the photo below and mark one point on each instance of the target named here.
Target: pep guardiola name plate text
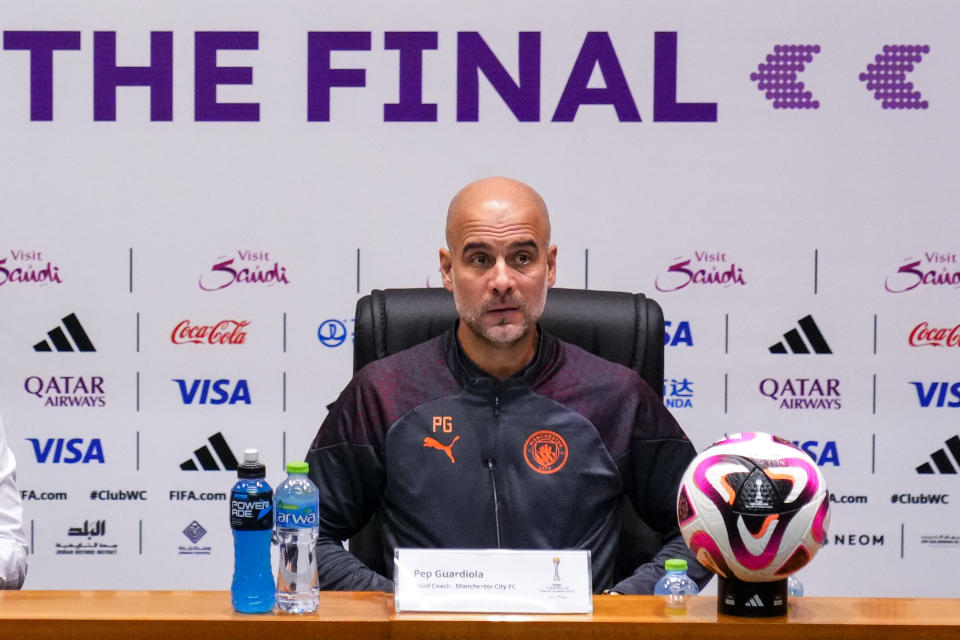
(493, 581)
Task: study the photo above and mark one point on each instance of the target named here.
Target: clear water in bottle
(297, 503)
(676, 586)
(794, 587)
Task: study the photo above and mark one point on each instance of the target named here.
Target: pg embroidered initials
(444, 422)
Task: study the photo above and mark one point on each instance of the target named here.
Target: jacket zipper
(491, 464)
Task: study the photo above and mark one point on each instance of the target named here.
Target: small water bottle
(794, 587)
(297, 506)
(676, 585)
(251, 519)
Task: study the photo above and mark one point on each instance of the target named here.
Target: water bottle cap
(297, 467)
(675, 564)
(251, 467)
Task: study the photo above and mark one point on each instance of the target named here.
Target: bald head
(496, 199)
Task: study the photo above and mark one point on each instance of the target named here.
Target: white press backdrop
(816, 209)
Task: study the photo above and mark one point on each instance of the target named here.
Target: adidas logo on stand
(59, 338)
(755, 601)
(796, 344)
(942, 460)
(206, 459)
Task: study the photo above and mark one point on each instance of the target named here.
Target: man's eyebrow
(470, 246)
(524, 244)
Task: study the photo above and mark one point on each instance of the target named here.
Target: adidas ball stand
(751, 599)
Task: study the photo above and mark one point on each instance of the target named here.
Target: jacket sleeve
(346, 465)
(13, 542)
(659, 455)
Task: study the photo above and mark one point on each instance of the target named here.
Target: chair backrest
(626, 328)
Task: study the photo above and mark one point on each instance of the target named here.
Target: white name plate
(493, 581)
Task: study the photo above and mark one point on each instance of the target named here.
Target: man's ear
(446, 269)
(551, 265)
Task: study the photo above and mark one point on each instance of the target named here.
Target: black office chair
(625, 328)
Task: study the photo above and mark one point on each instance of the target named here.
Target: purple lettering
(107, 76)
(410, 107)
(665, 105)
(320, 77)
(41, 45)
(208, 75)
(474, 56)
(911, 269)
(597, 49)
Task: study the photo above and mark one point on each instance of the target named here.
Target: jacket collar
(469, 372)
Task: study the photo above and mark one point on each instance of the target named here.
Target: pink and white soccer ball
(753, 507)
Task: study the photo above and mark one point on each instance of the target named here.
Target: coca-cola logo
(923, 335)
(223, 332)
(705, 268)
(249, 267)
(28, 267)
(928, 271)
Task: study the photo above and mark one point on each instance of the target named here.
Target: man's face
(499, 266)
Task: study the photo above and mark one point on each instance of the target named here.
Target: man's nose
(501, 279)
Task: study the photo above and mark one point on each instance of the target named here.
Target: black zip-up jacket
(450, 457)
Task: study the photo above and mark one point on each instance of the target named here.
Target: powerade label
(296, 516)
(251, 511)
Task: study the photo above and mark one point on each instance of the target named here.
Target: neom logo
(223, 332)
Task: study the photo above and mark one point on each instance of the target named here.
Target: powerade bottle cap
(297, 467)
(251, 467)
(675, 564)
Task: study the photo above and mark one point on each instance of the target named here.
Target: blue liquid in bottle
(251, 518)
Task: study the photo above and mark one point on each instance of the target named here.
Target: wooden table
(174, 615)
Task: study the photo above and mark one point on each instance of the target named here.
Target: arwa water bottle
(676, 585)
(251, 518)
(794, 587)
(297, 503)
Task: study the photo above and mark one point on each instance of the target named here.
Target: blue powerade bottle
(251, 518)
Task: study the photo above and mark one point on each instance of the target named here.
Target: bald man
(496, 434)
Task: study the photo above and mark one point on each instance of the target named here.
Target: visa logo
(829, 454)
(936, 392)
(681, 336)
(213, 391)
(69, 451)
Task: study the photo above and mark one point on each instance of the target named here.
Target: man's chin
(505, 335)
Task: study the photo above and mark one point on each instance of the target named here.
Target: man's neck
(499, 361)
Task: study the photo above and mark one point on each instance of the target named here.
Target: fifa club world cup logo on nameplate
(545, 451)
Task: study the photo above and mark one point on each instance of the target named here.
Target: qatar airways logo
(223, 332)
(803, 393)
(247, 267)
(934, 269)
(705, 268)
(28, 267)
(923, 335)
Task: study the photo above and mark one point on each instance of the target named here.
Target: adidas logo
(207, 461)
(59, 338)
(796, 344)
(755, 601)
(942, 460)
